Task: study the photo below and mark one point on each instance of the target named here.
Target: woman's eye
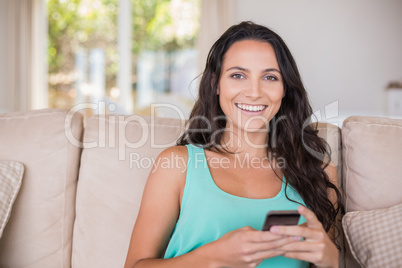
(237, 76)
(271, 78)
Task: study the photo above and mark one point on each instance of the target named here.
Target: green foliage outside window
(85, 24)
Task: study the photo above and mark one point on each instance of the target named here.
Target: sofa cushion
(117, 158)
(10, 182)
(39, 231)
(375, 236)
(332, 135)
(372, 149)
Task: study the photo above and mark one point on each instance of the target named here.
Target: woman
(248, 151)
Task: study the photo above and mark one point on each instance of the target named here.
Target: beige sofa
(82, 186)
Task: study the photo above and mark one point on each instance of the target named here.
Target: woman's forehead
(250, 54)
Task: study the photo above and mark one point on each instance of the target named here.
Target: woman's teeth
(251, 108)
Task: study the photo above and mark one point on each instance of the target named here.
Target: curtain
(23, 86)
(216, 17)
(18, 57)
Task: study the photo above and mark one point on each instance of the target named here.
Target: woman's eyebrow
(237, 68)
(272, 70)
(246, 70)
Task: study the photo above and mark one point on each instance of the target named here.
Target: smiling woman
(252, 108)
(250, 85)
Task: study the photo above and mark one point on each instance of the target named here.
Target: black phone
(281, 217)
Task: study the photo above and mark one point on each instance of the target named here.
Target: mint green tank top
(207, 212)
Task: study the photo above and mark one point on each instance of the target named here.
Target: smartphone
(281, 217)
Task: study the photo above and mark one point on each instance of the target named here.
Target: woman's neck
(252, 143)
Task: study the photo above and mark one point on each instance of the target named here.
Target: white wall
(3, 92)
(346, 51)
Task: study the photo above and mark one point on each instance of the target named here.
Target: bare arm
(159, 209)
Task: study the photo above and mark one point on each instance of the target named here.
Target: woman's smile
(251, 108)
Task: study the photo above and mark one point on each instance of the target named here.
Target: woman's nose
(253, 90)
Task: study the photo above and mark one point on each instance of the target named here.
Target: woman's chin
(256, 129)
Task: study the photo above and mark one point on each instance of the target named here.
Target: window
(86, 56)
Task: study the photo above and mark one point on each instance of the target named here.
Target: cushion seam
(345, 163)
(63, 227)
(373, 124)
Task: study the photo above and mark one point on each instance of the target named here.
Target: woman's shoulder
(175, 151)
(170, 166)
(172, 160)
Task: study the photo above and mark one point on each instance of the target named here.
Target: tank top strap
(195, 169)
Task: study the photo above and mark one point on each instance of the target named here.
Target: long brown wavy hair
(290, 135)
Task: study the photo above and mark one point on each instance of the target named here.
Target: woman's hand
(316, 247)
(247, 247)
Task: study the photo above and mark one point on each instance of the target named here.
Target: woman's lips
(251, 107)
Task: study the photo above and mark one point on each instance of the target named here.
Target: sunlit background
(133, 55)
(83, 56)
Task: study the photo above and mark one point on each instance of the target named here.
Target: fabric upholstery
(39, 231)
(375, 236)
(117, 158)
(332, 135)
(372, 149)
(114, 168)
(10, 182)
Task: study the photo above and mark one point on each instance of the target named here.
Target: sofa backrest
(39, 231)
(372, 150)
(58, 221)
(117, 157)
(371, 178)
(332, 135)
(114, 168)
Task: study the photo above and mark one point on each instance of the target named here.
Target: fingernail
(274, 229)
(297, 238)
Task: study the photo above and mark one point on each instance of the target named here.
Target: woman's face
(251, 86)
